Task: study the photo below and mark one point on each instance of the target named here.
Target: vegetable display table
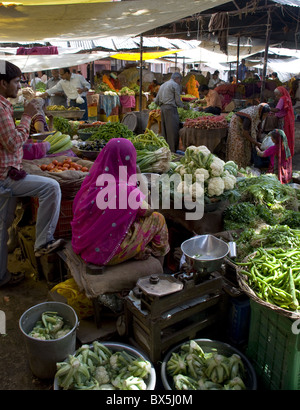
(195, 136)
(108, 104)
(127, 103)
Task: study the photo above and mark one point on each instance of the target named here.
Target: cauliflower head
(204, 172)
(215, 186)
(196, 190)
(183, 187)
(229, 182)
(102, 375)
(217, 167)
(203, 149)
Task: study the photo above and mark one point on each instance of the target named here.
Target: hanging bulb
(188, 33)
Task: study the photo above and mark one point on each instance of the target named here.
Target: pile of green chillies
(274, 275)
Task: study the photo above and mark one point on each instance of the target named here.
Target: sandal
(12, 279)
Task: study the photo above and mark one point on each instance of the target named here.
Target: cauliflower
(203, 149)
(183, 187)
(102, 375)
(217, 167)
(229, 182)
(106, 387)
(202, 171)
(196, 190)
(134, 383)
(215, 186)
(178, 168)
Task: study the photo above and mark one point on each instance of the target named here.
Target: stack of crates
(273, 348)
(63, 227)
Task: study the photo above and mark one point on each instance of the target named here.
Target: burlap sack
(114, 278)
(69, 181)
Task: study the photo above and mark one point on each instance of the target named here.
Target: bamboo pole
(268, 35)
(141, 73)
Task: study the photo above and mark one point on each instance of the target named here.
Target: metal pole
(268, 34)
(141, 72)
(237, 59)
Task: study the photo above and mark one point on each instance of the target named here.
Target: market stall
(109, 107)
(204, 130)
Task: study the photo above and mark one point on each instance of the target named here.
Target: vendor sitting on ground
(278, 154)
(112, 221)
(38, 121)
(212, 99)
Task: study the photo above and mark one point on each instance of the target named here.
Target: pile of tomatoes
(66, 165)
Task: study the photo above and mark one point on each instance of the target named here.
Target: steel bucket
(44, 354)
(205, 253)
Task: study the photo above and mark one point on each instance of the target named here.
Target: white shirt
(70, 87)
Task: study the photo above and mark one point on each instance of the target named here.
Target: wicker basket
(243, 283)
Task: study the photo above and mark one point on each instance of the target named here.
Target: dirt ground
(15, 373)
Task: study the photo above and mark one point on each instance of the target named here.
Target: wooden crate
(174, 318)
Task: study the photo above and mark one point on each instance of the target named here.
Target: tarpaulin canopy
(145, 56)
(31, 63)
(93, 20)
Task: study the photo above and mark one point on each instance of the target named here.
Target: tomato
(50, 167)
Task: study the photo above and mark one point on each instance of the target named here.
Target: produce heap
(266, 220)
(217, 175)
(50, 327)
(206, 122)
(97, 367)
(193, 369)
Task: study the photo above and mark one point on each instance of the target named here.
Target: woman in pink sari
(279, 155)
(286, 120)
(112, 221)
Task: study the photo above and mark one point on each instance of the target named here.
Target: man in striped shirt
(14, 182)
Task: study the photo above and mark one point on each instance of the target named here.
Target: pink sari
(107, 203)
(289, 118)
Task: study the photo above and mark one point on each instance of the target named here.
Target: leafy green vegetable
(111, 130)
(62, 124)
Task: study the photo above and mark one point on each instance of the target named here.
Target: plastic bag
(75, 298)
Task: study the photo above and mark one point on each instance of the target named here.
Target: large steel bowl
(205, 253)
(133, 351)
(208, 345)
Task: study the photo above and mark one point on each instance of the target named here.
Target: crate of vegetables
(274, 348)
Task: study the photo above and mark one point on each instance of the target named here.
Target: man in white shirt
(75, 86)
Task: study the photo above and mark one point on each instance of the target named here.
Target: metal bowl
(205, 253)
(117, 347)
(207, 346)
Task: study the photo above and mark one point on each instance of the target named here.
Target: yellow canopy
(146, 56)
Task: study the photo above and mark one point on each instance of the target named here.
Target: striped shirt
(38, 118)
(12, 138)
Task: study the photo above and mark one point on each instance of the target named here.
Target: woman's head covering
(107, 203)
(289, 118)
(282, 140)
(254, 113)
(264, 108)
